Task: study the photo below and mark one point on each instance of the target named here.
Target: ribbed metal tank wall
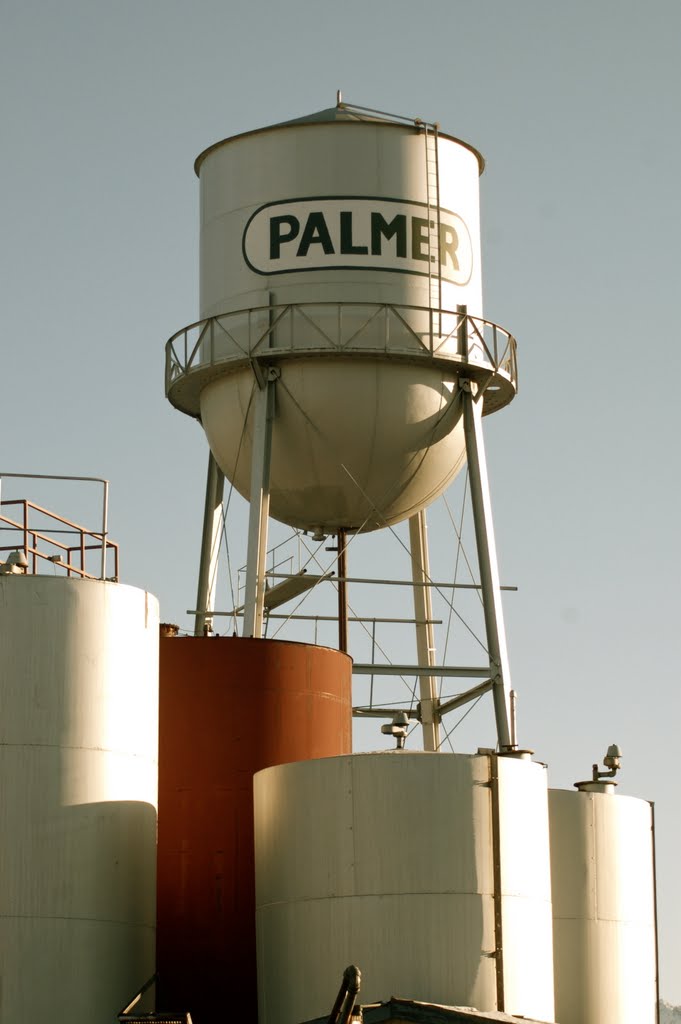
(333, 212)
(413, 866)
(360, 166)
(228, 707)
(603, 905)
(78, 783)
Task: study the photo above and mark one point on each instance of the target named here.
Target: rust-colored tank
(229, 706)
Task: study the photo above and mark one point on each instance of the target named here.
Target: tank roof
(402, 1010)
(342, 113)
(337, 113)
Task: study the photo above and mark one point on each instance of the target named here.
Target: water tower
(342, 365)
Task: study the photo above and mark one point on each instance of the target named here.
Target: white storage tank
(330, 247)
(335, 207)
(78, 778)
(602, 870)
(428, 871)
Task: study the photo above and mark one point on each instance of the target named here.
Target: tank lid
(342, 113)
(337, 113)
(589, 786)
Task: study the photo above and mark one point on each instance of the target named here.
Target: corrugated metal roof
(330, 115)
(338, 113)
(412, 1011)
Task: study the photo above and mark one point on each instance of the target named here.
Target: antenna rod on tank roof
(339, 98)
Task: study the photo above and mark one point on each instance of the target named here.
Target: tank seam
(63, 746)
(363, 895)
(62, 917)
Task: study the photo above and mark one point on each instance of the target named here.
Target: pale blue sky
(576, 110)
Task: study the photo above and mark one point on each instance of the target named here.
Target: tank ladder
(430, 136)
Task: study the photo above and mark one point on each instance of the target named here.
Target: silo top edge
(316, 119)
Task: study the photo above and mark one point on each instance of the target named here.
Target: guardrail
(362, 329)
(27, 536)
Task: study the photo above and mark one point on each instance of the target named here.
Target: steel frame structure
(264, 338)
(495, 674)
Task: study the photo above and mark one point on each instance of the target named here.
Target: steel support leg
(425, 636)
(487, 560)
(259, 504)
(210, 547)
(342, 592)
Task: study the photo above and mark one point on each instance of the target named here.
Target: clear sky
(575, 107)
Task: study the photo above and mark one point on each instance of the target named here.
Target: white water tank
(78, 784)
(429, 871)
(335, 207)
(329, 247)
(602, 873)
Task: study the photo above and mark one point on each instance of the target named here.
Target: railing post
(462, 331)
(105, 525)
(26, 531)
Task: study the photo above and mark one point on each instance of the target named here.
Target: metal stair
(127, 1016)
(156, 1018)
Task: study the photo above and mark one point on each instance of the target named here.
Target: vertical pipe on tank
(342, 592)
(105, 514)
(496, 866)
(514, 714)
(653, 835)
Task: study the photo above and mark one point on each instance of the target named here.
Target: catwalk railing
(205, 349)
(33, 533)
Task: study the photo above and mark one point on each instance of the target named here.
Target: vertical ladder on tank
(433, 216)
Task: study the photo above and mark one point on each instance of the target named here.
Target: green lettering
(419, 238)
(347, 246)
(449, 242)
(315, 233)
(381, 228)
(277, 236)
